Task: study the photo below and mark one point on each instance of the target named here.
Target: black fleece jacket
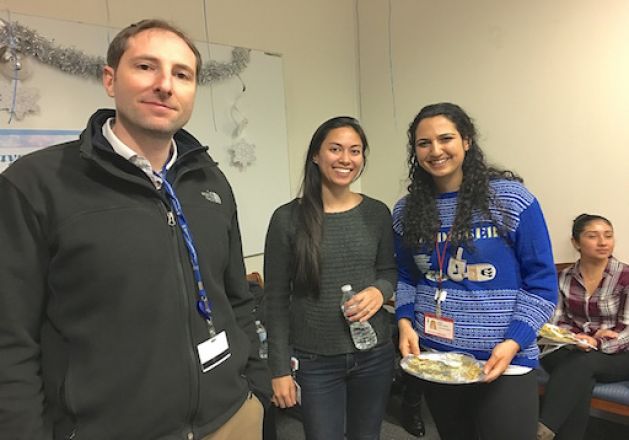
(98, 324)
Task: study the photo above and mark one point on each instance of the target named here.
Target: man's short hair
(118, 45)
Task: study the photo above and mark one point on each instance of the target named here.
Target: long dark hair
(421, 218)
(309, 231)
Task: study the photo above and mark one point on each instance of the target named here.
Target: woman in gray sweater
(330, 237)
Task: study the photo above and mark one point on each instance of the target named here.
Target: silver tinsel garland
(215, 71)
(75, 62)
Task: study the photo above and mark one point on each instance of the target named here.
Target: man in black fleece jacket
(124, 307)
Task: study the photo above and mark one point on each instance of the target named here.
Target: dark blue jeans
(345, 394)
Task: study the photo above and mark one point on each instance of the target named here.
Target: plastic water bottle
(363, 334)
(264, 345)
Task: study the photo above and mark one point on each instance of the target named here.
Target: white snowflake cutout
(242, 154)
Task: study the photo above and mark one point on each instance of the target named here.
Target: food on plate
(453, 368)
(558, 334)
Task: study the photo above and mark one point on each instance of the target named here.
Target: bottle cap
(346, 288)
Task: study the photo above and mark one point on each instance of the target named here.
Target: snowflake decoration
(242, 154)
(25, 100)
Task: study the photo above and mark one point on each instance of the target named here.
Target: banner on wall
(16, 143)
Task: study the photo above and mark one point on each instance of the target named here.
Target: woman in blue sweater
(475, 275)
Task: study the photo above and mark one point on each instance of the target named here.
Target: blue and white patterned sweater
(499, 291)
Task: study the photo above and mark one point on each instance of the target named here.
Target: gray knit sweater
(357, 249)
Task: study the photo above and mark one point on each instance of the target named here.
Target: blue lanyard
(203, 304)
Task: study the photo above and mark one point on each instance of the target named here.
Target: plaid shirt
(607, 308)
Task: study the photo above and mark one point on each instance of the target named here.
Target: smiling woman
(440, 151)
(340, 160)
(476, 275)
(315, 244)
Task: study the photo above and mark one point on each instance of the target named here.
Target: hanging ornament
(242, 152)
(240, 120)
(14, 65)
(15, 99)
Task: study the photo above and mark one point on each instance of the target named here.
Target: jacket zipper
(171, 221)
(194, 375)
(170, 218)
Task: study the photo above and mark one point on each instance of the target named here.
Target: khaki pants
(246, 424)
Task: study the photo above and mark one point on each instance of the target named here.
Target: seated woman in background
(593, 303)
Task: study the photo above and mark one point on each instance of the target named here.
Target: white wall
(316, 39)
(546, 81)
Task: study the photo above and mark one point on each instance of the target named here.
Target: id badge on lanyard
(214, 350)
(435, 324)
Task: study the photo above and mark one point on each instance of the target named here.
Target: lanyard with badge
(215, 350)
(436, 324)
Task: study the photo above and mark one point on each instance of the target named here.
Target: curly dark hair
(309, 231)
(421, 218)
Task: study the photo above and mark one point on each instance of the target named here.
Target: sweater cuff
(385, 288)
(406, 311)
(279, 362)
(520, 333)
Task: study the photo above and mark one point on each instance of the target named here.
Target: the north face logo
(211, 196)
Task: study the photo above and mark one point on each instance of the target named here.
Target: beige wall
(546, 81)
(317, 40)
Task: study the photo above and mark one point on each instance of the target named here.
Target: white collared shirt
(139, 161)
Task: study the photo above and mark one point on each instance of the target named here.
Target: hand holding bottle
(362, 333)
(364, 304)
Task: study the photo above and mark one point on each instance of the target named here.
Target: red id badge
(438, 326)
